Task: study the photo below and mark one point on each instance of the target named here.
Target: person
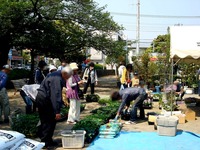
(120, 72)
(126, 77)
(4, 101)
(52, 69)
(198, 76)
(127, 95)
(135, 80)
(29, 93)
(90, 78)
(39, 75)
(83, 65)
(49, 102)
(63, 64)
(179, 90)
(72, 93)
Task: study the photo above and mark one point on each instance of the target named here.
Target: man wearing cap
(4, 101)
(127, 95)
(49, 102)
(52, 69)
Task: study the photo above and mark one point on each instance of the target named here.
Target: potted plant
(92, 98)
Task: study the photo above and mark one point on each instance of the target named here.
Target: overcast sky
(171, 12)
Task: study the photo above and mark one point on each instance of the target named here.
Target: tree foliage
(55, 28)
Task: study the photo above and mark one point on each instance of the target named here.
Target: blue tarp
(148, 141)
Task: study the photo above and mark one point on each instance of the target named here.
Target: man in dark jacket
(49, 101)
(127, 95)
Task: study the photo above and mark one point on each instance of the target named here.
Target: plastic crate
(167, 126)
(73, 138)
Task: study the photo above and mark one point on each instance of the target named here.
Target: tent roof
(185, 43)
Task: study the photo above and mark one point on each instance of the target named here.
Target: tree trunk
(4, 49)
(32, 60)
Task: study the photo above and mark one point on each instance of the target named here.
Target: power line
(145, 31)
(155, 16)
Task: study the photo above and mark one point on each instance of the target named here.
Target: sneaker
(50, 145)
(70, 122)
(130, 122)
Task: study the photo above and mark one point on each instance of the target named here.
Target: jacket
(72, 87)
(130, 94)
(3, 79)
(93, 75)
(51, 91)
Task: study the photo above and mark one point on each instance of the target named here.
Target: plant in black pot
(92, 98)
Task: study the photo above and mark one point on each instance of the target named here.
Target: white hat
(52, 67)
(73, 66)
(7, 67)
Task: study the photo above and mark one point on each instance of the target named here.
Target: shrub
(26, 124)
(98, 66)
(92, 98)
(19, 74)
(104, 101)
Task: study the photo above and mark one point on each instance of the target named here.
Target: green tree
(54, 28)
(161, 46)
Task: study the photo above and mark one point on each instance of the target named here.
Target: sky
(151, 27)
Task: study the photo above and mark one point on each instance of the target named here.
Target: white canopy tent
(185, 43)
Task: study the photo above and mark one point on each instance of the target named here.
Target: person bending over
(127, 95)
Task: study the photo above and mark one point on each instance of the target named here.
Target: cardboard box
(152, 119)
(182, 107)
(181, 118)
(190, 115)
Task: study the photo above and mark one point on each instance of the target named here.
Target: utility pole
(138, 29)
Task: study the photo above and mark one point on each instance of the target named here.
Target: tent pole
(172, 74)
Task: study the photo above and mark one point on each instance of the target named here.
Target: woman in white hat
(72, 93)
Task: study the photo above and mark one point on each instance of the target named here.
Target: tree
(54, 28)
(161, 46)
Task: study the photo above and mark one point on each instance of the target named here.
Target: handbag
(80, 93)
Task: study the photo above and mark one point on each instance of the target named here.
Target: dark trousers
(27, 101)
(138, 103)
(86, 85)
(199, 88)
(47, 119)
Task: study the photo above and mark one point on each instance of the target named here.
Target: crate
(73, 138)
(167, 126)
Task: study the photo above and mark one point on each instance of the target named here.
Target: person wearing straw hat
(4, 101)
(72, 93)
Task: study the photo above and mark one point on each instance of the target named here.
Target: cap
(52, 67)
(7, 67)
(73, 66)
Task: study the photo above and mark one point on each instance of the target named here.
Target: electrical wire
(155, 16)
